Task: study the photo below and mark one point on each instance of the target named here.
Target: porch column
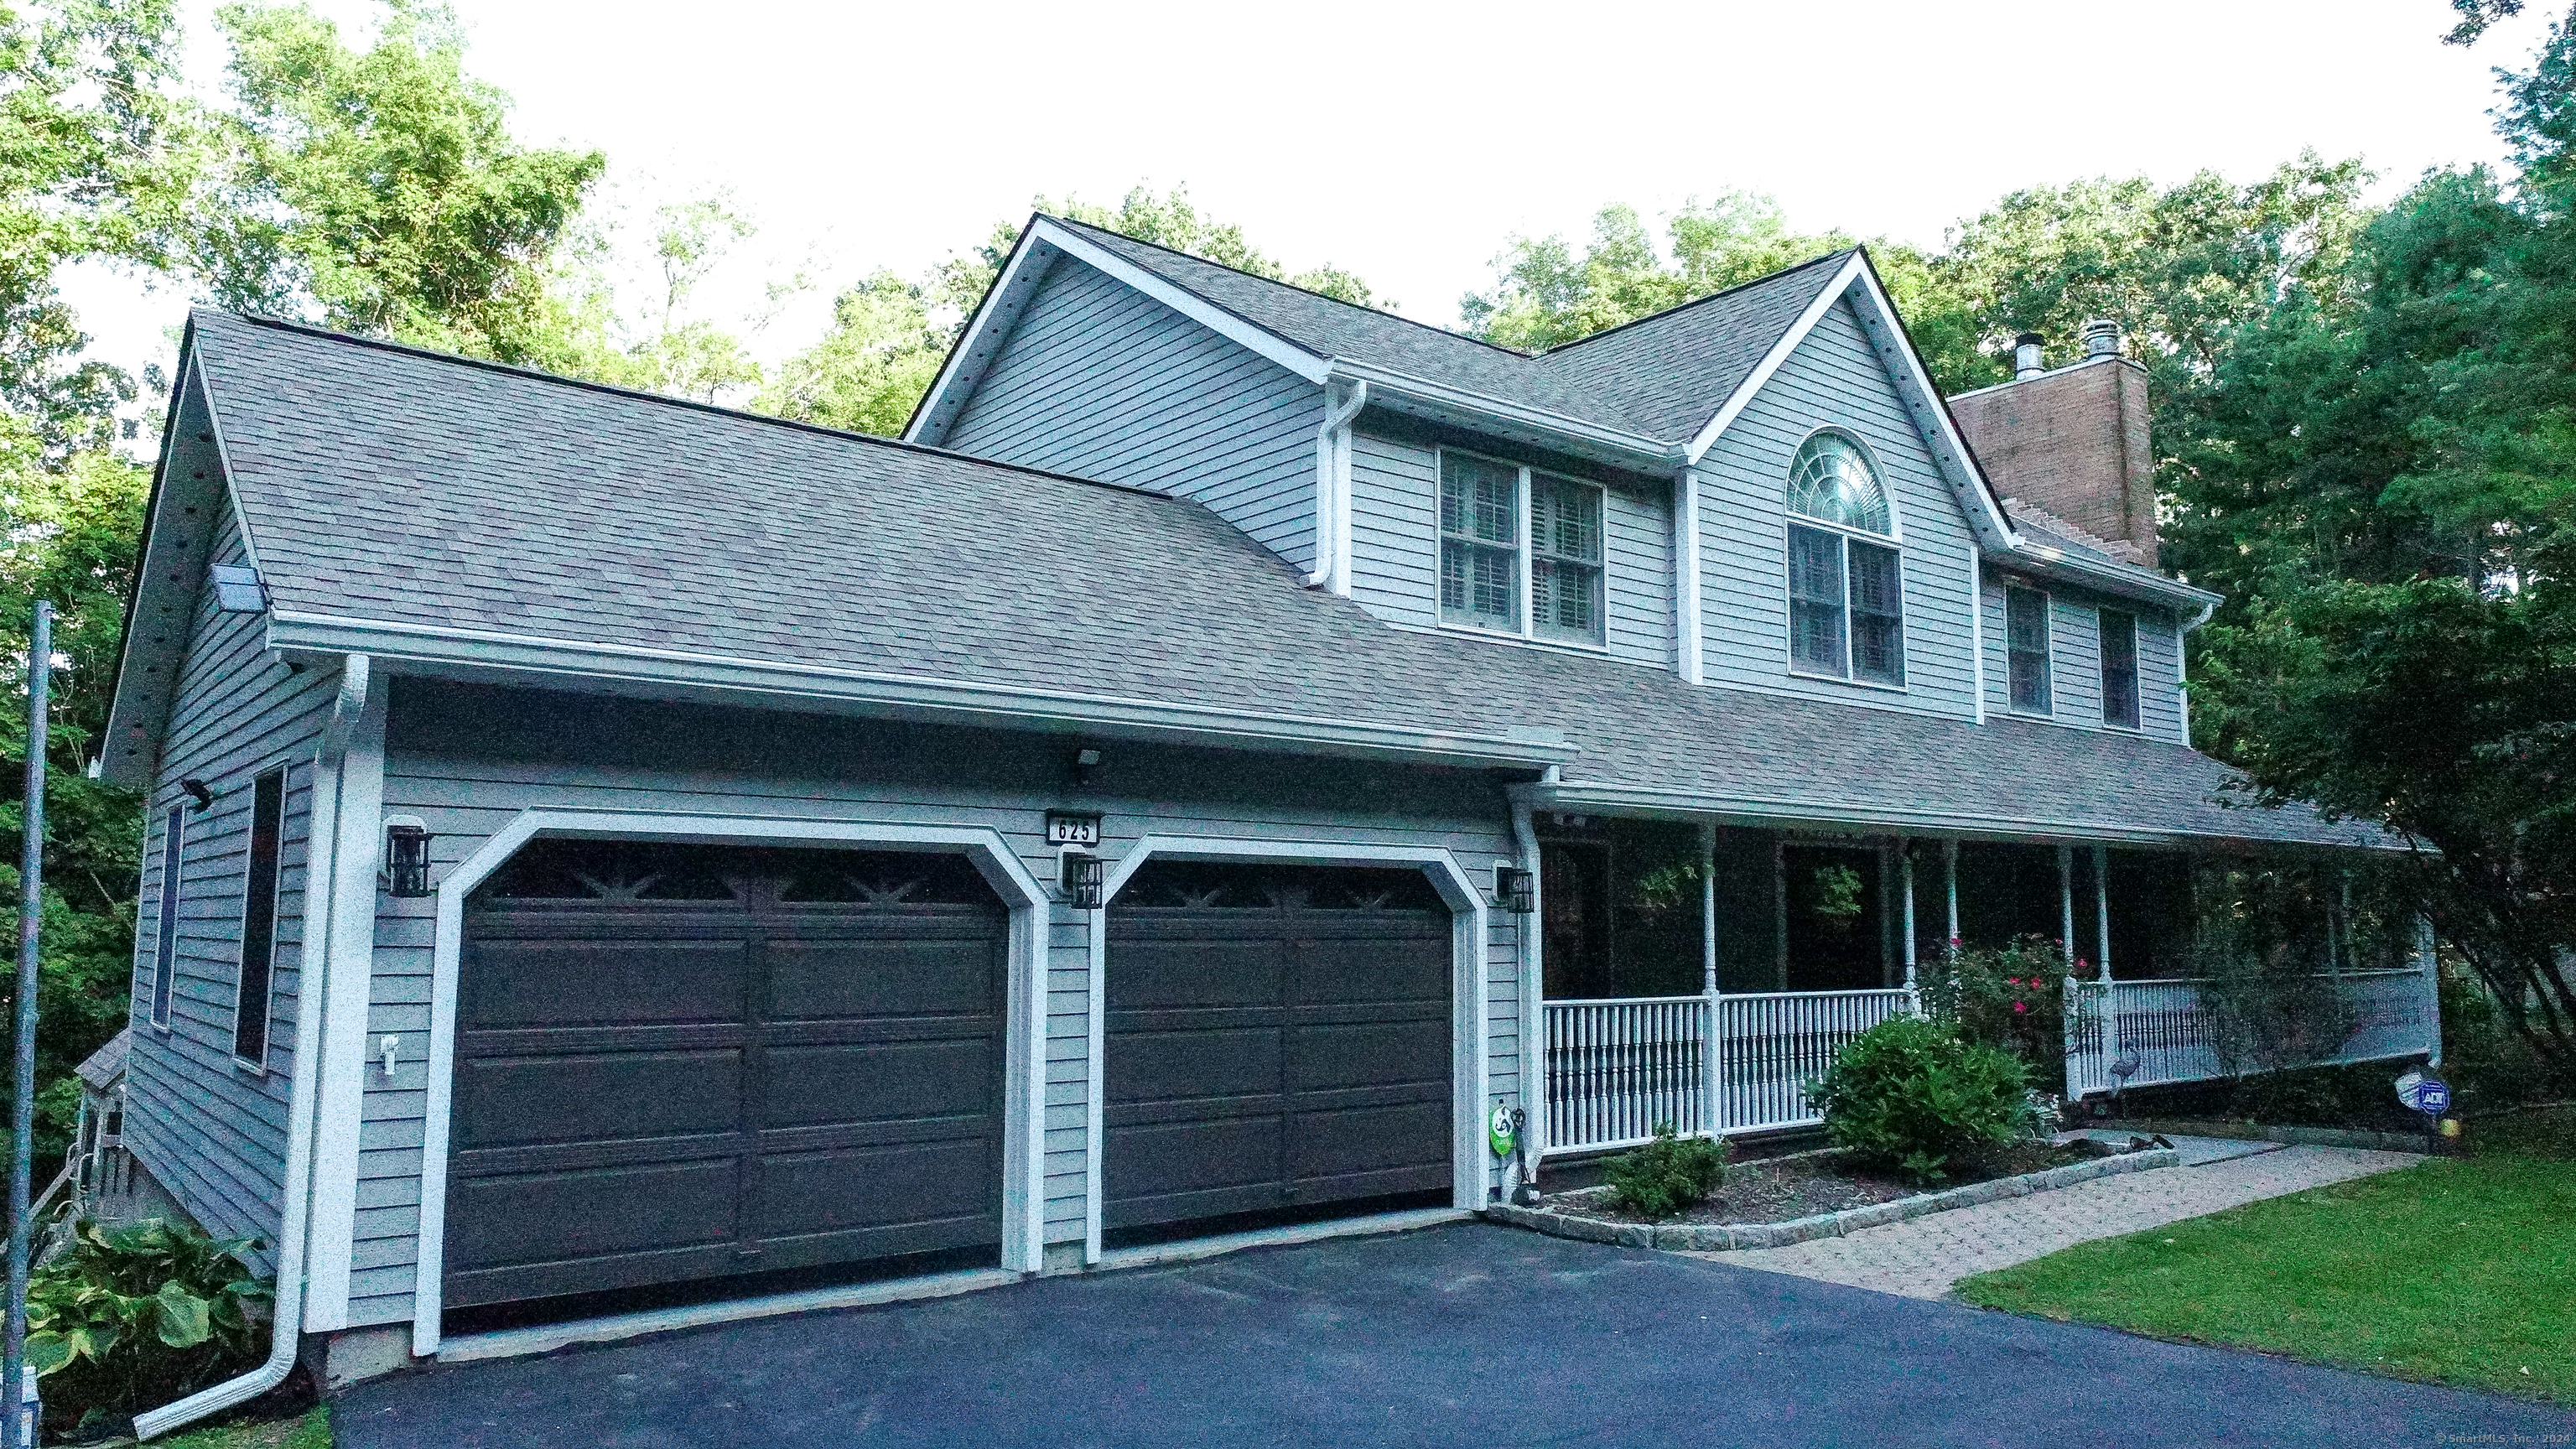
(2338, 920)
(2427, 962)
(1950, 885)
(2066, 900)
(2102, 910)
(1708, 1062)
(1905, 881)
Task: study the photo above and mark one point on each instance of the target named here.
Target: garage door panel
(945, 1188)
(551, 1217)
(1168, 1065)
(875, 1082)
(514, 1100)
(721, 1061)
(1367, 1053)
(1266, 1053)
(581, 982)
(826, 979)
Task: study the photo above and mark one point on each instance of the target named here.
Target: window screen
(2026, 648)
(1877, 613)
(1816, 599)
(259, 920)
(1565, 559)
(2119, 668)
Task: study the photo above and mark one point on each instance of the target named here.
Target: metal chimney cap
(2101, 338)
(2029, 339)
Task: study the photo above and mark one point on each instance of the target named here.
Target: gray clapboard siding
(2075, 659)
(1833, 378)
(468, 759)
(1395, 548)
(211, 1131)
(1101, 381)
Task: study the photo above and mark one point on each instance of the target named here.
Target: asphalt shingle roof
(386, 484)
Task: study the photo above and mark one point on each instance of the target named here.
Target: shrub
(1666, 1175)
(130, 1317)
(1911, 1094)
(2011, 996)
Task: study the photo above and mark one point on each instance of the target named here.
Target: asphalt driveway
(1469, 1336)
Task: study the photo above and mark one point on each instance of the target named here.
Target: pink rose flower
(2017, 1006)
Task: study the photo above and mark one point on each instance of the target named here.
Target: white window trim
(2048, 651)
(170, 889)
(1525, 603)
(2137, 671)
(241, 938)
(1893, 539)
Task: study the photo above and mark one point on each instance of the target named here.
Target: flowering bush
(2011, 996)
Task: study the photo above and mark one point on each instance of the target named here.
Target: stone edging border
(1728, 1237)
(2415, 1142)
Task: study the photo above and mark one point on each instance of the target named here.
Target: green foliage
(130, 1317)
(1838, 893)
(2011, 996)
(312, 1430)
(379, 190)
(1666, 1175)
(1913, 1095)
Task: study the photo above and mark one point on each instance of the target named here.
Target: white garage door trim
(1468, 1007)
(1023, 1172)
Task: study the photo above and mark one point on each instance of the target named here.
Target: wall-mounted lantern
(1083, 875)
(406, 857)
(1515, 889)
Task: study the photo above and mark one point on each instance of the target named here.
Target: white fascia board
(1885, 820)
(1386, 387)
(1823, 302)
(1234, 328)
(993, 317)
(469, 653)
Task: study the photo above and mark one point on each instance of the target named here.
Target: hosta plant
(130, 1317)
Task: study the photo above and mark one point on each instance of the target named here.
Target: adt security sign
(2428, 1095)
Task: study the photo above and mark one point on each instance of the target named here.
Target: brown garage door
(1278, 1039)
(677, 1063)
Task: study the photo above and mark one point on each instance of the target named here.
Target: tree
(380, 190)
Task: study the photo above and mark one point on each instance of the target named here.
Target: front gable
(1095, 378)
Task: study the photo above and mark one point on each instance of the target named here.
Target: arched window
(1846, 588)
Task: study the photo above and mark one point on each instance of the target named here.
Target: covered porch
(1698, 972)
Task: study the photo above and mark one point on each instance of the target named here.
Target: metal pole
(22, 1107)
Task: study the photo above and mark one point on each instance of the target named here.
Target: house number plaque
(1066, 828)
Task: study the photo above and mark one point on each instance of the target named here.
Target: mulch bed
(1810, 1183)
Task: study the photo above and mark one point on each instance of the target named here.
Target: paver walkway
(1922, 1257)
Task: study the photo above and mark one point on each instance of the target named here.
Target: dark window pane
(1816, 601)
(1878, 614)
(259, 919)
(1565, 519)
(2026, 648)
(2119, 668)
(165, 922)
(1565, 601)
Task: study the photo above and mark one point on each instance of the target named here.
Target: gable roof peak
(1720, 294)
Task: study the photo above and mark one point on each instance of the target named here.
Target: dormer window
(1846, 579)
(1520, 550)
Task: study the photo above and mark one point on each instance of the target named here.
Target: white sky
(1407, 142)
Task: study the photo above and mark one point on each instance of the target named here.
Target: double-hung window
(2026, 648)
(165, 917)
(251, 1000)
(1521, 552)
(1846, 578)
(2119, 668)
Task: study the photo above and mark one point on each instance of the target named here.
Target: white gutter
(1333, 489)
(1632, 450)
(286, 1325)
(497, 655)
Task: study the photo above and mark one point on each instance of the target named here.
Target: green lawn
(2461, 1271)
(312, 1431)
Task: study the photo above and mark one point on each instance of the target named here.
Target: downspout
(286, 1326)
(1533, 1008)
(1332, 489)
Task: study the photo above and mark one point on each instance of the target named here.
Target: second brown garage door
(1278, 1040)
(679, 1063)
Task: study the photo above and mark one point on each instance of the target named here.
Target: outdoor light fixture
(406, 858)
(1515, 889)
(1083, 876)
(198, 792)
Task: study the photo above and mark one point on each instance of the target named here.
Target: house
(610, 851)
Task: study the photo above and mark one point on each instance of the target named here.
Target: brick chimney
(2071, 441)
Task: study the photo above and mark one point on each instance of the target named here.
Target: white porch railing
(1616, 1069)
(2163, 1024)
